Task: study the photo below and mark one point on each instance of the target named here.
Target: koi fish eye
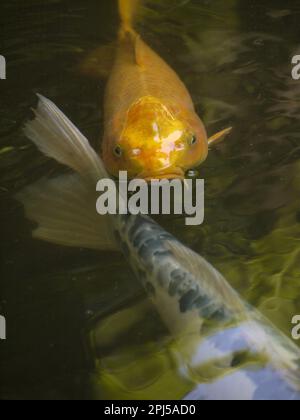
(118, 151)
(193, 140)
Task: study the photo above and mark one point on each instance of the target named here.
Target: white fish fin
(65, 210)
(211, 279)
(56, 136)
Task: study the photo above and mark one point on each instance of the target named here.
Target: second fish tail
(127, 10)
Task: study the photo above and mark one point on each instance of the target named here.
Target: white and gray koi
(220, 332)
(148, 248)
(221, 345)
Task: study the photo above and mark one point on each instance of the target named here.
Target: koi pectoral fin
(98, 63)
(219, 137)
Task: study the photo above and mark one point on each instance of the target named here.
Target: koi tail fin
(64, 208)
(127, 10)
(58, 138)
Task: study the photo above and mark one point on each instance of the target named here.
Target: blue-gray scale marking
(148, 241)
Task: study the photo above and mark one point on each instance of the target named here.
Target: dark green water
(235, 58)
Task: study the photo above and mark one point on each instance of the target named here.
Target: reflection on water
(235, 58)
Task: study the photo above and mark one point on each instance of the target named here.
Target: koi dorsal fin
(140, 52)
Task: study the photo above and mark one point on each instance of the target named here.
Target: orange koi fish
(151, 130)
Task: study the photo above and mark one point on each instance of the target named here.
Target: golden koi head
(157, 142)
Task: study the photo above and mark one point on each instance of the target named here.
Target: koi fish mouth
(174, 174)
